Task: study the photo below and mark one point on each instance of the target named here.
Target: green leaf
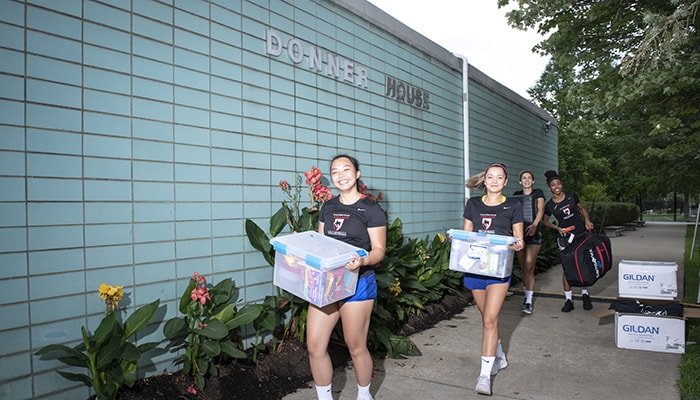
(109, 352)
(402, 345)
(215, 329)
(257, 237)
(228, 347)
(144, 347)
(211, 348)
(175, 327)
(224, 286)
(140, 318)
(130, 352)
(199, 381)
(185, 300)
(76, 378)
(278, 221)
(268, 322)
(60, 350)
(226, 313)
(105, 329)
(74, 361)
(245, 316)
(129, 373)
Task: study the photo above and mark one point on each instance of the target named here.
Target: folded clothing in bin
(312, 266)
(483, 254)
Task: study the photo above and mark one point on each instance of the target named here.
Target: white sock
(528, 296)
(584, 291)
(568, 295)
(499, 350)
(487, 365)
(324, 392)
(363, 392)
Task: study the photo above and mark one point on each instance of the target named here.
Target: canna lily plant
(299, 217)
(207, 330)
(109, 354)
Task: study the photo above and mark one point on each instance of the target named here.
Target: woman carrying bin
(496, 214)
(353, 218)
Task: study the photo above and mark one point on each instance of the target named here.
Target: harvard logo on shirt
(338, 221)
(486, 221)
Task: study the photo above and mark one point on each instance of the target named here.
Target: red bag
(587, 259)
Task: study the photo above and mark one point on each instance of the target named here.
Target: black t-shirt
(566, 213)
(349, 223)
(498, 219)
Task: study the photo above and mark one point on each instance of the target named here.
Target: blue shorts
(478, 282)
(366, 288)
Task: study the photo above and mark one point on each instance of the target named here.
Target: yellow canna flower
(111, 295)
(395, 287)
(441, 237)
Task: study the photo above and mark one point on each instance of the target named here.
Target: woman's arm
(468, 225)
(377, 237)
(546, 222)
(518, 235)
(586, 218)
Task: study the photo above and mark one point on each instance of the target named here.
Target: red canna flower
(200, 292)
(313, 176)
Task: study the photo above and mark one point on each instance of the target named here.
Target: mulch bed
(279, 373)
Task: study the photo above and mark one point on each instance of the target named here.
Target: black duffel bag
(636, 306)
(587, 259)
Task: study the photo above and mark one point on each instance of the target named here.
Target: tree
(623, 81)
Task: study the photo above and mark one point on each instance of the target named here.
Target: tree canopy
(623, 81)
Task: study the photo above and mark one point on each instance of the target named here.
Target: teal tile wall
(136, 137)
(525, 144)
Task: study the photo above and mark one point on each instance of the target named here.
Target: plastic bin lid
(480, 236)
(318, 251)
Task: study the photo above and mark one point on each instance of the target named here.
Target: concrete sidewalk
(552, 355)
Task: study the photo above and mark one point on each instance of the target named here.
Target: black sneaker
(587, 305)
(527, 308)
(568, 306)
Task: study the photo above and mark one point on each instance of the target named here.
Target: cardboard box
(650, 333)
(312, 267)
(647, 279)
(483, 254)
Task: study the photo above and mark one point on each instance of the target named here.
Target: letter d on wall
(274, 42)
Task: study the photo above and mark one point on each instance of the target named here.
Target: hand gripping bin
(312, 266)
(483, 254)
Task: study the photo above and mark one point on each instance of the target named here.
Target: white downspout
(465, 101)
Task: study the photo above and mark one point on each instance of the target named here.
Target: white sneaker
(483, 385)
(499, 364)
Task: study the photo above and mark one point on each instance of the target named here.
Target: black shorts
(534, 239)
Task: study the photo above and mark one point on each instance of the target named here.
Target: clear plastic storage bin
(481, 253)
(312, 266)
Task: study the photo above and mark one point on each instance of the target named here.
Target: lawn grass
(689, 383)
(668, 217)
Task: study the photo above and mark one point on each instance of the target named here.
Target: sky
(478, 30)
